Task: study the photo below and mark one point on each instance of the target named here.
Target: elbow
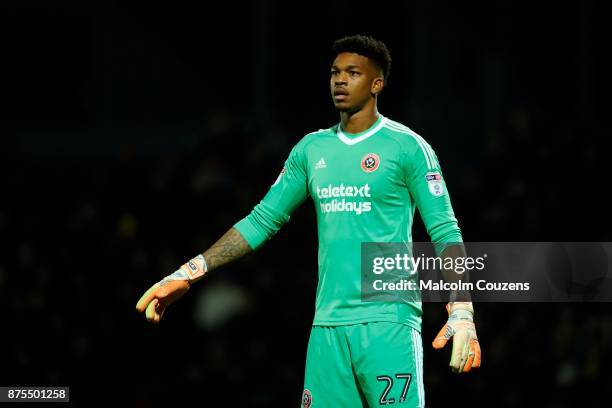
(446, 232)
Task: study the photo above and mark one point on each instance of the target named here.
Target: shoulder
(406, 137)
(314, 137)
(415, 147)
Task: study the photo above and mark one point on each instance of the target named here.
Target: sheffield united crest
(306, 399)
(370, 162)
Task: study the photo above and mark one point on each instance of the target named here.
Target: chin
(343, 107)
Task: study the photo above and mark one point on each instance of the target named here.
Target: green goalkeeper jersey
(365, 188)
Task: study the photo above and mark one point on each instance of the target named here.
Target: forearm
(230, 247)
(455, 251)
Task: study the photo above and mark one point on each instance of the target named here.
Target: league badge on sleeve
(434, 181)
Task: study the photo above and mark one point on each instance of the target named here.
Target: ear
(377, 85)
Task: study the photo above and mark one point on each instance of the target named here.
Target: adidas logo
(321, 164)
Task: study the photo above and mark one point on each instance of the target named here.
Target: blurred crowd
(83, 239)
(135, 134)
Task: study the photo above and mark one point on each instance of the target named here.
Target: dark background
(133, 134)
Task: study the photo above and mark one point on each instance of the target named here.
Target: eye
(354, 73)
(334, 73)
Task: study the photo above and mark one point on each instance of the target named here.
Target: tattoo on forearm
(228, 248)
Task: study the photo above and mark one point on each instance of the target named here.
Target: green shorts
(364, 365)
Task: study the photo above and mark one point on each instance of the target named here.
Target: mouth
(340, 94)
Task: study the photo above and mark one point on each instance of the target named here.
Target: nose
(340, 79)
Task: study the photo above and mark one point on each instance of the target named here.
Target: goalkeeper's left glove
(460, 326)
(159, 296)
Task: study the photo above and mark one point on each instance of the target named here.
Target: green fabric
(354, 204)
(353, 365)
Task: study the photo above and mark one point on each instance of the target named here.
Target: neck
(356, 122)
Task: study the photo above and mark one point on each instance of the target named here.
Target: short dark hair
(366, 46)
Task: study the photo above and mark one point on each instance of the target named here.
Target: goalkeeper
(367, 175)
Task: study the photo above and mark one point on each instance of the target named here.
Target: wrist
(191, 271)
(461, 306)
(461, 311)
(196, 268)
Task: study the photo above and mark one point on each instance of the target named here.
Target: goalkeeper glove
(159, 296)
(460, 326)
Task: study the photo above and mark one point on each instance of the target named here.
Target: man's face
(354, 80)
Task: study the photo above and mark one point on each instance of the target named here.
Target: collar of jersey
(361, 136)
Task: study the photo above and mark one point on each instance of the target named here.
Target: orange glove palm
(460, 326)
(161, 295)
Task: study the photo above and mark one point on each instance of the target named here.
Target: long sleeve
(428, 188)
(286, 194)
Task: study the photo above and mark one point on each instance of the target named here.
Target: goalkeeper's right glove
(159, 296)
